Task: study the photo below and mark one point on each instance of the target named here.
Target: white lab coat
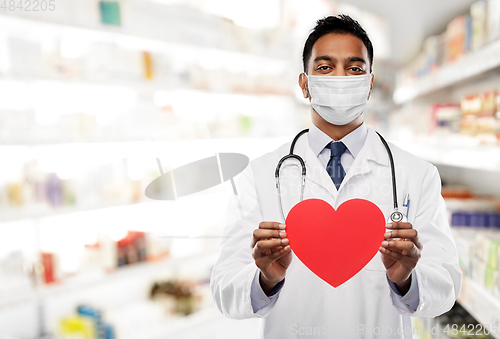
(364, 306)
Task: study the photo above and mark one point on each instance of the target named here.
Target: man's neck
(336, 132)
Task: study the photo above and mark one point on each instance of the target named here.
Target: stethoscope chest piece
(396, 216)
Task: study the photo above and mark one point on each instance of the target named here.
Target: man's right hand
(272, 253)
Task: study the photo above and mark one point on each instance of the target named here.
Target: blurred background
(99, 98)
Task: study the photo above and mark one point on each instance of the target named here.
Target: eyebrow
(356, 59)
(329, 58)
(323, 57)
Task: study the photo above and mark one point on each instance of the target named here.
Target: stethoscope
(395, 216)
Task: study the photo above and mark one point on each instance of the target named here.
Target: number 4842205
(469, 330)
(28, 5)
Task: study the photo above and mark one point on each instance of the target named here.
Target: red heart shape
(335, 245)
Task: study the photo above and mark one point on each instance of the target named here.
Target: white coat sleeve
(235, 269)
(439, 276)
(261, 301)
(410, 299)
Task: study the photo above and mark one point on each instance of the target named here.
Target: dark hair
(342, 24)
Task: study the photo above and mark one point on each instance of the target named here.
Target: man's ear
(303, 85)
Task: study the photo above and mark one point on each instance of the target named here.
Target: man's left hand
(400, 251)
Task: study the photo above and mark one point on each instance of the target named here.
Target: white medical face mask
(339, 99)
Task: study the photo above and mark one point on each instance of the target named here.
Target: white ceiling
(412, 21)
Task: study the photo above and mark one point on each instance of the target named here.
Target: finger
(269, 259)
(284, 251)
(272, 225)
(263, 247)
(404, 260)
(404, 235)
(398, 225)
(276, 249)
(395, 250)
(401, 233)
(393, 255)
(418, 243)
(268, 234)
(260, 234)
(408, 246)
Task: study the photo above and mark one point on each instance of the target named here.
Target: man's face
(336, 54)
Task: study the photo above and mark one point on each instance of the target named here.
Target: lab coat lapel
(316, 173)
(360, 166)
(372, 153)
(375, 150)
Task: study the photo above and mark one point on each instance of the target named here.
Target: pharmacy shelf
(142, 87)
(151, 97)
(44, 211)
(126, 38)
(484, 307)
(474, 297)
(468, 66)
(452, 150)
(208, 323)
(182, 324)
(251, 147)
(90, 279)
(255, 146)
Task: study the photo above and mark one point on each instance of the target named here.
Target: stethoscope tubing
(291, 155)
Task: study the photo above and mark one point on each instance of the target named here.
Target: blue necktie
(334, 167)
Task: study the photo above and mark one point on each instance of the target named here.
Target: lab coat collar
(315, 171)
(374, 148)
(372, 152)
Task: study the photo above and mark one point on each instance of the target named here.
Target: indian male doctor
(415, 271)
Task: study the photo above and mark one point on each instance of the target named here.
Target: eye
(356, 69)
(323, 68)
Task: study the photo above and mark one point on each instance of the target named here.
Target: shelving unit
(146, 151)
(252, 75)
(210, 323)
(481, 305)
(45, 211)
(462, 160)
(463, 69)
(81, 281)
(127, 38)
(180, 325)
(452, 150)
(243, 72)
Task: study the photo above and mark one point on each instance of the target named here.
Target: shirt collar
(354, 141)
